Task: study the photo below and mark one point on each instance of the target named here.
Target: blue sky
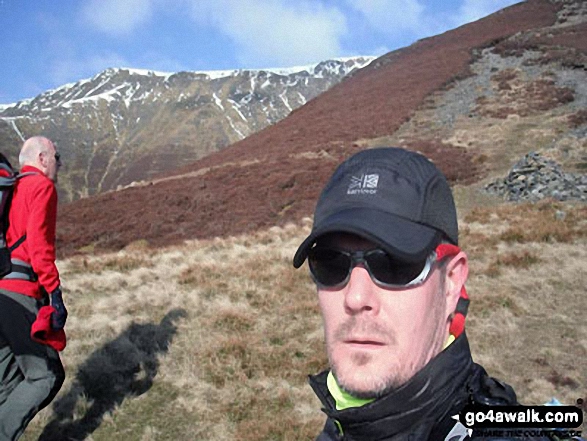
(47, 43)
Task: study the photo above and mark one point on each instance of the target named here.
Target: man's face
(378, 338)
(51, 161)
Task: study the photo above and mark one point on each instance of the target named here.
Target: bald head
(32, 148)
(40, 152)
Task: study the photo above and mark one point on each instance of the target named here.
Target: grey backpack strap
(21, 271)
(22, 175)
(16, 244)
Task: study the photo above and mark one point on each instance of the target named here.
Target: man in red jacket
(31, 373)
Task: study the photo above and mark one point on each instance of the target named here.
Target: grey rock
(534, 177)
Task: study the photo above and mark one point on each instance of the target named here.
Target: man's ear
(456, 273)
(42, 159)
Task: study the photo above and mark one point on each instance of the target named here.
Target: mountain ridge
(209, 74)
(125, 125)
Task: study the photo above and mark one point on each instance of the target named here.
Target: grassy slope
(235, 365)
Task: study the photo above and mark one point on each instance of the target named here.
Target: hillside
(126, 125)
(474, 99)
(213, 340)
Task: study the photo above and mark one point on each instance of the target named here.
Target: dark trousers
(31, 373)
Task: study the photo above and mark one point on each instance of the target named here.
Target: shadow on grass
(122, 368)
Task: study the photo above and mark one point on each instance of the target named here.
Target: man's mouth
(364, 342)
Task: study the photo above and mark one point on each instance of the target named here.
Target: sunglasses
(331, 268)
(56, 155)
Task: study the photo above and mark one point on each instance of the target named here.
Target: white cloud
(378, 51)
(472, 10)
(153, 60)
(67, 69)
(391, 16)
(117, 17)
(275, 32)
(415, 19)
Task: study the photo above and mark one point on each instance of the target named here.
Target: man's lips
(365, 342)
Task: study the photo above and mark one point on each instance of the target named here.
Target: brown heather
(578, 119)
(523, 98)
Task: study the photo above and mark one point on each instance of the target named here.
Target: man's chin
(364, 381)
(363, 388)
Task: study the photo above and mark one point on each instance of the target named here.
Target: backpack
(8, 178)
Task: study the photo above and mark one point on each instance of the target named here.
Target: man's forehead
(47, 145)
(345, 241)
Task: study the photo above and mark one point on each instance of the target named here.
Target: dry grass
(578, 119)
(521, 260)
(528, 302)
(213, 340)
(238, 351)
(546, 221)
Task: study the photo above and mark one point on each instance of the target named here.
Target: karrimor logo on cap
(364, 184)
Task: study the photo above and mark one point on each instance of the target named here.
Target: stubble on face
(354, 327)
(353, 372)
(362, 374)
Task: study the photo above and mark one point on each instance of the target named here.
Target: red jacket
(34, 212)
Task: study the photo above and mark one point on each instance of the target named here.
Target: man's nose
(361, 293)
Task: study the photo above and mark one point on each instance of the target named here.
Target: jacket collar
(414, 408)
(30, 168)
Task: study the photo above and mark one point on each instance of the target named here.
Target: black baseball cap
(393, 197)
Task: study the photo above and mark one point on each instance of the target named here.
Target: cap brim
(404, 239)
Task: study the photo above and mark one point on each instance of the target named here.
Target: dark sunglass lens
(391, 271)
(329, 267)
